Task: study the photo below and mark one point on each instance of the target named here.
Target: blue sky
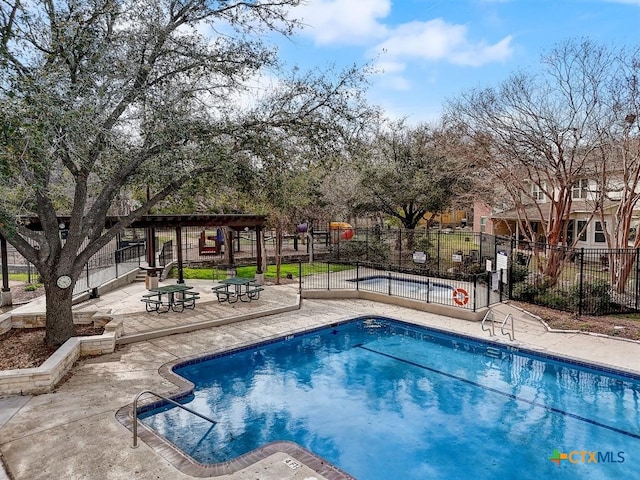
(430, 50)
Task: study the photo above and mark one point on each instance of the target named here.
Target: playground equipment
(210, 243)
(340, 231)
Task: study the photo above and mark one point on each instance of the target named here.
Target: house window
(582, 231)
(579, 189)
(599, 233)
(483, 224)
(538, 193)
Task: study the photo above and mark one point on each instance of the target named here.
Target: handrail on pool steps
(135, 413)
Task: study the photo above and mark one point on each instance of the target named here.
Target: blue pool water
(383, 399)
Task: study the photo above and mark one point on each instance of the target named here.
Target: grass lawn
(24, 277)
(250, 271)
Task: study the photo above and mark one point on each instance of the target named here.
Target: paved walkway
(72, 433)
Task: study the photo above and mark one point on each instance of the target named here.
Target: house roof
(533, 212)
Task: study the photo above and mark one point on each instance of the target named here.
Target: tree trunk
(59, 316)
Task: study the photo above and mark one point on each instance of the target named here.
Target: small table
(185, 298)
(251, 290)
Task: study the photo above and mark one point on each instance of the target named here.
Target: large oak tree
(101, 97)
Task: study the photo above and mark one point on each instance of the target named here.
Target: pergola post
(151, 279)
(5, 293)
(259, 272)
(179, 247)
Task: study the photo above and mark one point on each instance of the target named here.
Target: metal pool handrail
(135, 413)
(511, 335)
(492, 330)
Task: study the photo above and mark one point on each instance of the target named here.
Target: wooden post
(5, 296)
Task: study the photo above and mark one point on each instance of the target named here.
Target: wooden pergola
(234, 222)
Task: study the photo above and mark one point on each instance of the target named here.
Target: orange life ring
(460, 296)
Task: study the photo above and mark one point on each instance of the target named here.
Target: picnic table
(170, 297)
(236, 288)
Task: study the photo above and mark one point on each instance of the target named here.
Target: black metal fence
(434, 250)
(115, 259)
(585, 281)
(463, 290)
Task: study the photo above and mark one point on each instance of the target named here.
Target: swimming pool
(427, 291)
(383, 399)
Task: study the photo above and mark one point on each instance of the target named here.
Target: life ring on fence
(460, 296)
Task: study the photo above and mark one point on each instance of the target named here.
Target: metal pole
(581, 282)
(328, 274)
(172, 402)
(637, 275)
(179, 251)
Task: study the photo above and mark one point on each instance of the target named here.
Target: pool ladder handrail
(512, 335)
(173, 402)
(492, 330)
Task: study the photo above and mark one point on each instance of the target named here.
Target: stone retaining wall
(44, 378)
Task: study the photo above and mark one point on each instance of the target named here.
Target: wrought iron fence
(112, 261)
(463, 290)
(585, 281)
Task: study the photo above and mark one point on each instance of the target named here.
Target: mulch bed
(20, 348)
(613, 325)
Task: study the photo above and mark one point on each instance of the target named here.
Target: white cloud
(396, 82)
(438, 40)
(389, 67)
(344, 21)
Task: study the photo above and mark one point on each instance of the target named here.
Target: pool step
(493, 352)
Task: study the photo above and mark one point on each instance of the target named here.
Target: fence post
(357, 275)
(400, 248)
(581, 287)
(328, 272)
(487, 279)
(438, 243)
(637, 275)
(299, 277)
(389, 282)
(475, 291)
(366, 243)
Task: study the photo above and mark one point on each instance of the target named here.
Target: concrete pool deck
(73, 433)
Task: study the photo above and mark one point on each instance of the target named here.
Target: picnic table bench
(170, 297)
(244, 289)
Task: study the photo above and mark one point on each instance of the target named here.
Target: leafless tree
(538, 133)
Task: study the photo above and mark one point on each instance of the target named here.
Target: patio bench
(152, 302)
(187, 300)
(254, 293)
(223, 293)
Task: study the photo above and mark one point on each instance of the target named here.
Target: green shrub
(557, 300)
(31, 287)
(527, 292)
(422, 244)
(519, 273)
(596, 297)
(354, 250)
